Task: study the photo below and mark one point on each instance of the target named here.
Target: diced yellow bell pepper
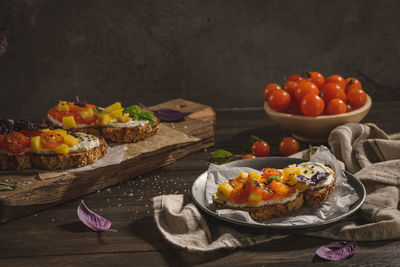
(68, 122)
(124, 117)
(63, 106)
(254, 199)
(70, 140)
(87, 113)
(62, 149)
(254, 175)
(289, 175)
(116, 113)
(45, 130)
(115, 106)
(35, 144)
(224, 191)
(103, 119)
(61, 132)
(301, 186)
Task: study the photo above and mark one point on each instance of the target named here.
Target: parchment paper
(338, 202)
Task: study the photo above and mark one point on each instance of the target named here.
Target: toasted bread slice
(267, 212)
(117, 135)
(53, 161)
(317, 196)
(15, 162)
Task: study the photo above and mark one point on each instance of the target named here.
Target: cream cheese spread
(313, 168)
(130, 123)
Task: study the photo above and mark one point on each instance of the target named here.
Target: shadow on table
(147, 230)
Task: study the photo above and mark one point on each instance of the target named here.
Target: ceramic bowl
(315, 129)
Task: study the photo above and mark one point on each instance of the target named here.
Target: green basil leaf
(220, 156)
(147, 116)
(133, 111)
(98, 110)
(312, 150)
(8, 186)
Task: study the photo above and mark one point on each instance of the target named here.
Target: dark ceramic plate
(198, 192)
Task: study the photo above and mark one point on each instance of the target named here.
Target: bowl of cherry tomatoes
(310, 106)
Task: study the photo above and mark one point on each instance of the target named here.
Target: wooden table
(56, 236)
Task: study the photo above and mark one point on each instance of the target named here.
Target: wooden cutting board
(37, 191)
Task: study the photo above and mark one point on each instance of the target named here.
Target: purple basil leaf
(25, 125)
(92, 219)
(169, 115)
(3, 44)
(319, 176)
(304, 179)
(6, 126)
(337, 250)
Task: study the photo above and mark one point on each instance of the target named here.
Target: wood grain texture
(173, 142)
(56, 237)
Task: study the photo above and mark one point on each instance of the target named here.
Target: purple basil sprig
(170, 115)
(303, 179)
(93, 220)
(319, 176)
(315, 179)
(3, 44)
(337, 250)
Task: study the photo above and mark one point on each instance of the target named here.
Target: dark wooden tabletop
(56, 237)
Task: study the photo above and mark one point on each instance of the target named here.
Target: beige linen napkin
(364, 149)
(374, 156)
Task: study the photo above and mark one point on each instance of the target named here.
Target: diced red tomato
(73, 111)
(279, 188)
(74, 108)
(268, 172)
(241, 194)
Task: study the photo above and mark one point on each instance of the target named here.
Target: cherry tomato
(349, 108)
(268, 172)
(260, 149)
(288, 146)
(30, 133)
(304, 88)
(357, 98)
(16, 143)
(269, 88)
(317, 78)
(51, 140)
(248, 156)
(294, 77)
(336, 106)
(352, 83)
(279, 100)
(294, 108)
(290, 87)
(336, 79)
(312, 105)
(333, 90)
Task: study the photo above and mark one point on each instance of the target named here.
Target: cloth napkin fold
(367, 151)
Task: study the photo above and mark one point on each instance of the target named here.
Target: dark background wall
(220, 53)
